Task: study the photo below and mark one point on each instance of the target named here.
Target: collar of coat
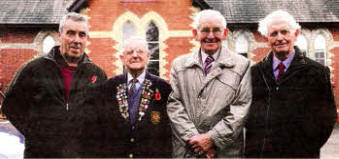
(55, 55)
(224, 58)
(298, 62)
(299, 58)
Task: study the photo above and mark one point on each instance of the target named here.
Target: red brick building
(28, 29)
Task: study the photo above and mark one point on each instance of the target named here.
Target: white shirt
(140, 79)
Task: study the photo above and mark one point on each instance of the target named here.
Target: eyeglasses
(215, 31)
(139, 52)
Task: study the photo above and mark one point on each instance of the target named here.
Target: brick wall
(13, 53)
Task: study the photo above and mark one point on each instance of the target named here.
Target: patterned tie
(208, 64)
(281, 67)
(132, 89)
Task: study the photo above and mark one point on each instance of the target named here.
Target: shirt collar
(204, 55)
(287, 62)
(140, 78)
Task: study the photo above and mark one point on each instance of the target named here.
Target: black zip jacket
(35, 104)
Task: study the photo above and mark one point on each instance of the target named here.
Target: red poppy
(157, 96)
(93, 79)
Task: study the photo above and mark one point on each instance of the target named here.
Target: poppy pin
(157, 95)
(93, 79)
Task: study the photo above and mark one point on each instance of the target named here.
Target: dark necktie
(208, 64)
(281, 67)
(132, 89)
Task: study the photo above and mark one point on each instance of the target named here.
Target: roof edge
(201, 4)
(76, 5)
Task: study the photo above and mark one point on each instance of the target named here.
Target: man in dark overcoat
(293, 110)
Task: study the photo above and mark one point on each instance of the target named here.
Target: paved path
(11, 143)
(331, 148)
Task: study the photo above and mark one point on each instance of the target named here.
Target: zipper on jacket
(66, 106)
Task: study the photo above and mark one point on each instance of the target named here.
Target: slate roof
(32, 11)
(250, 11)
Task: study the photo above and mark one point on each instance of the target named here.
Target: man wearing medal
(134, 108)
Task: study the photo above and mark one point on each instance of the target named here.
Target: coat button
(132, 140)
(130, 155)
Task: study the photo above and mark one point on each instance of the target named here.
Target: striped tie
(133, 87)
(208, 64)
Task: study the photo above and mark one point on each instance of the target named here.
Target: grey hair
(209, 12)
(132, 38)
(277, 15)
(75, 17)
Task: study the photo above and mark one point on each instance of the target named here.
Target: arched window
(47, 44)
(152, 37)
(320, 49)
(241, 45)
(302, 43)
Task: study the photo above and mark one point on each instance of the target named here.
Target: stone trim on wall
(38, 40)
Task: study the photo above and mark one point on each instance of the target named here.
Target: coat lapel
(121, 97)
(146, 97)
(267, 68)
(296, 66)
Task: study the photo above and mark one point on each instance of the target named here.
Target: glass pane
(320, 42)
(152, 32)
(301, 43)
(319, 55)
(154, 49)
(244, 54)
(128, 30)
(47, 44)
(153, 67)
(241, 44)
(321, 61)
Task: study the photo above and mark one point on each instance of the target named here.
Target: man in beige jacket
(211, 94)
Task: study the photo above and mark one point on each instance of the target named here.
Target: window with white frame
(47, 44)
(301, 43)
(320, 49)
(152, 37)
(241, 45)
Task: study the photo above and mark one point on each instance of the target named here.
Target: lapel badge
(157, 95)
(93, 79)
(155, 117)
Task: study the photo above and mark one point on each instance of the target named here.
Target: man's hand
(200, 143)
(211, 153)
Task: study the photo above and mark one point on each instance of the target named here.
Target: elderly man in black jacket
(293, 109)
(45, 98)
(133, 108)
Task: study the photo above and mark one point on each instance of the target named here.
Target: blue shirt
(287, 62)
